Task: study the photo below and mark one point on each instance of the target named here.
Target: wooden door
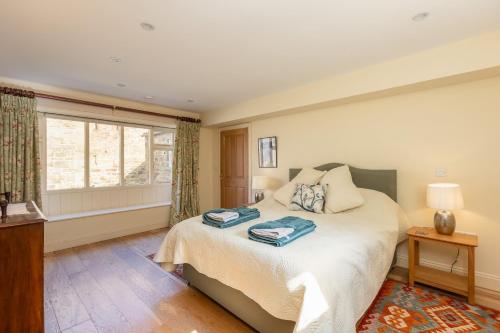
(234, 167)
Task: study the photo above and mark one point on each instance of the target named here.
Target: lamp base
(444, 222)
(259, 196)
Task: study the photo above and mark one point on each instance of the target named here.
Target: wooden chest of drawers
(21, 272)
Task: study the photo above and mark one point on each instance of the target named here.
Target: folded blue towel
(246, 214)
(300, 226)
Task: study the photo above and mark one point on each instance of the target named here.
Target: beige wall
(209, 168)
(474, 57)
(455, 127)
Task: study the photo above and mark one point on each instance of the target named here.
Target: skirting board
(487, 285)
(66, 244)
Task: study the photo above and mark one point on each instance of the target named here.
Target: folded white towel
(224, 216)
(274, 233)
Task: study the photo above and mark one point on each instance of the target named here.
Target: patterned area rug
(178, 273)
(399, 308)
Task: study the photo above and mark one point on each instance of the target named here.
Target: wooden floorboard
(141, 318)
(70, 262)
(51, 325)
(112, 287)
(103, 312)
(85, 327)
(66, 304)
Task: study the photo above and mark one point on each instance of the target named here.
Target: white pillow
(342, 194)
(308, 176)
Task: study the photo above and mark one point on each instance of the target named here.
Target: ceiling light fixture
(121, 85)
(420, 17)
(147, 26)
(148, 97)
(190, 100)
(115, 59)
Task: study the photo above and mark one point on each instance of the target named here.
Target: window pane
(162, 166)
(136, 155)
(104, 155)
(163, 136)
(65, 154)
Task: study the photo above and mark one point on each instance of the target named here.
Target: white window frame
(87, 187)
(122, 155)
(163, 147)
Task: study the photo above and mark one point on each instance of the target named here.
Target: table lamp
(259, 184)
(444, 197)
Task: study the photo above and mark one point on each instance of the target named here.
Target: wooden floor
(112, 287)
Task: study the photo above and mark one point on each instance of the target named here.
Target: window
(91, 154)
(163, 141)
(136, 155)
(65, 154)
(162, 166)
(104, 155)
(163, 137)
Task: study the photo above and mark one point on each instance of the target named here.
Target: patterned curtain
(19, 146)
(185, 199)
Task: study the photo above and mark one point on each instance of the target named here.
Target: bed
(323, 282)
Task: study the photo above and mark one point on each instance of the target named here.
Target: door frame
(248, 126)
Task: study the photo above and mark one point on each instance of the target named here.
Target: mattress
(324, 281)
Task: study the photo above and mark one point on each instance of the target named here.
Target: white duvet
(323, 281)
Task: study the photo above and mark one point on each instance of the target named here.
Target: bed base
(240, 305)
(237, 303)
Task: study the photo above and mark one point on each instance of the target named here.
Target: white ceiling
(219, 52)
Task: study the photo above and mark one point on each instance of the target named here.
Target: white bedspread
(323, 281)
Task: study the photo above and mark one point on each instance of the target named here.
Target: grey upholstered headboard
(380, 180)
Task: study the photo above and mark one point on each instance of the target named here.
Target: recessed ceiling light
(420, 16)
(121, 85)
(147, 26)
(115, 59)
(148, 97)
(190, 100)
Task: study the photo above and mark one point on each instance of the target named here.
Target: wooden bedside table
(463, 285)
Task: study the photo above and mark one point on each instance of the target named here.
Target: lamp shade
(446, 196)
(261, 182)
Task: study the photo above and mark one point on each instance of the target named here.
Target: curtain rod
(32, 94)
(94, 119)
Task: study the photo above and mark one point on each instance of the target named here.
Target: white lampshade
(444, 196)
(261, 182)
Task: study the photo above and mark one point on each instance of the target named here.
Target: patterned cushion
(310, 198)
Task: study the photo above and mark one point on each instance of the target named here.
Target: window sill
(104, 212)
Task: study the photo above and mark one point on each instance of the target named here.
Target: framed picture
(268, 152)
